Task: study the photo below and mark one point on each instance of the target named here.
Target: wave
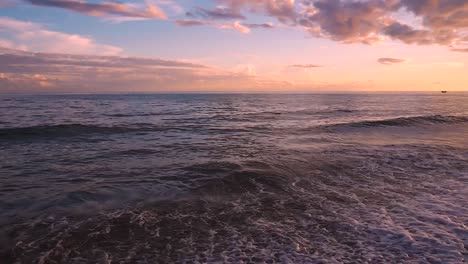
(304, 112)
(66, 130)
(226, 178)
(135, 115)
(404, 122)
(326, 112)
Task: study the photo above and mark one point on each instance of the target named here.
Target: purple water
(236, 178)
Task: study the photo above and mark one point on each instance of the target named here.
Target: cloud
(461, 50)
(371, 21)
(409, 35)
(306, 66)
(237, 26)
(15, 83)
(346, 21)
(6, 3)
(261, 25)
(8, 44)
(390, 61)
(104, 9)
(32, 36)
(171, 6)
(10, 57)
(283, 10)
(217, 13)
(190, 23)
(247, 69)
(439, 14)
(22, 71)
(444, 22)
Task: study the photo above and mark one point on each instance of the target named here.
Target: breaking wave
(261, 211)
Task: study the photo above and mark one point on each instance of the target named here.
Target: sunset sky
(233, 45)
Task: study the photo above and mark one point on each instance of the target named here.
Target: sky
(81, 46)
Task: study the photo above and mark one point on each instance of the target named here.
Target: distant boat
(443, 91)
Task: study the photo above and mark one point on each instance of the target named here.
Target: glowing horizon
(233, 46)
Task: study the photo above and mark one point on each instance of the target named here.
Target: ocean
(234, 178)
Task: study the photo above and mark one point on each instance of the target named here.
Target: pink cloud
(443, 22)
(283, 10)
(306, 66)
(237, 26)
(104, 8)
(22, 71)
(32, 36)
(6, 3)
(217, 13)
(190, 23)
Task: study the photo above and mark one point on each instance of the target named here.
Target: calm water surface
(299, 178)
